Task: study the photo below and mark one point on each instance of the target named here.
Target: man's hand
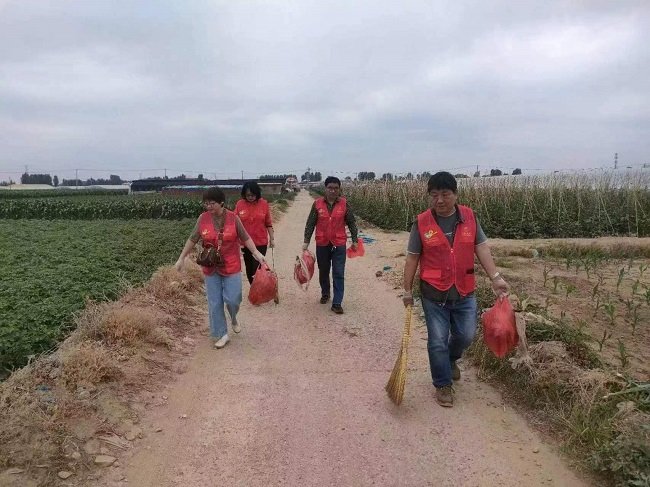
(259, 257)
(179, 264)
(407, 298)
(500, 287)
(354, 246)
(305, 246)
(271, 244)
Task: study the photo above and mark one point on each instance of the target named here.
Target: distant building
(22, 187)
(198, 186)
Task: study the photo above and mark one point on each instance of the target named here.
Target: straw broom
(395, 386)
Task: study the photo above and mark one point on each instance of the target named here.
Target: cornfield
(545, 206)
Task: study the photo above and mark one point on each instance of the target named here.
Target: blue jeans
(330, 256)
(222, 290)
(458, 317)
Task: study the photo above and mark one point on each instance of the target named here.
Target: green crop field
(49, 269)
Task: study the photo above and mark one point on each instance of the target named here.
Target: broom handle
(407, 326)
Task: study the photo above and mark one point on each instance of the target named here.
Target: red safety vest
(330, 228)
(229, 246)
(442, 265)
(254, 218)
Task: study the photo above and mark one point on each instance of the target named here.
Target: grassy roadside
(601, 417)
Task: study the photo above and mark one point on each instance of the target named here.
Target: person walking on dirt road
(329, 215)
(255, 215)
(222, 229)
(443, 241)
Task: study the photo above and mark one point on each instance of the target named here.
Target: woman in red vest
(223, 229)
(443, 242)
(255, 215)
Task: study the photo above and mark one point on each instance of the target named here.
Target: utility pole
(616, 160)
(76, 179)
(242, 174)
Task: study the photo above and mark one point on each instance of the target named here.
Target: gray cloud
(224, 87)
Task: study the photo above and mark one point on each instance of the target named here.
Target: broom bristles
(397, 380)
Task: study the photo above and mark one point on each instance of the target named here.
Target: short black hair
(442, 180)
(214, 193)
(253, 187)
(332, 179)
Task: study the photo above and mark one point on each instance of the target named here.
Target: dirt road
(297, 399)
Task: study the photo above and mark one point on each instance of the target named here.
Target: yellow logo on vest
(429, 234)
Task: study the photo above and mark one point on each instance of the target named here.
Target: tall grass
(543, 206)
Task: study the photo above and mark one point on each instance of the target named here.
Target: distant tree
(424, 176)
(409, 176)
(461, 176)
(516, 172)
(366, 176)
(55, 180)
(477, 174)
(182, 176)
(72, 182)
(36, 179)
(200, 178)
(348, 178)
(115, 179)
(496, 172)
(387, 176)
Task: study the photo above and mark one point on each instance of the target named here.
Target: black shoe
(337, 309)
(324, 299)
(455, 372)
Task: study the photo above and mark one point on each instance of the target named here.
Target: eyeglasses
(445, 194)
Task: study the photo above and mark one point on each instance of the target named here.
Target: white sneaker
(222, 341)
(236, 327)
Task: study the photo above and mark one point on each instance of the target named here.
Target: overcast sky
(338, 86)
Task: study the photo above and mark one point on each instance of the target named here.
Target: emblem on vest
(205, 231)
(429, 234)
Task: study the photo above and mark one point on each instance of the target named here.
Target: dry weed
(168, 284)
(87, 363)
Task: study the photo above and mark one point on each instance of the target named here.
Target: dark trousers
(251, 263)
(329, 256)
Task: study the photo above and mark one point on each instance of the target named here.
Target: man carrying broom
(443, 241)
(329, 215)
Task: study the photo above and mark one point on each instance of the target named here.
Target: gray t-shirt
(448, 225)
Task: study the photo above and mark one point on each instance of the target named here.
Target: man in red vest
(443, 241)
(329, 215)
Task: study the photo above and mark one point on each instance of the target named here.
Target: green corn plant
(545, 273)
(635, 287)
(577, 266)
(582, 324)
(647, 295)
(569, 261)
(628, 306)
(570, 287)
(606, 336)
(642, 269)
(594, 291)
(601, 278)
(635, 318)
(623, 356)
(629, 264)
(620, 278)
(597, 305)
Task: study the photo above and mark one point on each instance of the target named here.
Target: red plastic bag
(264, 287)
(500, 328)
(360, 250)
(303, 269)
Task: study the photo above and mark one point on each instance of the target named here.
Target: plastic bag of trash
(303, 269)
(265, 285)
(359, 252)
(499, 327)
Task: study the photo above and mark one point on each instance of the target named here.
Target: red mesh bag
(264, 287)
(359, 252)
(303, 269)
(500, 328)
